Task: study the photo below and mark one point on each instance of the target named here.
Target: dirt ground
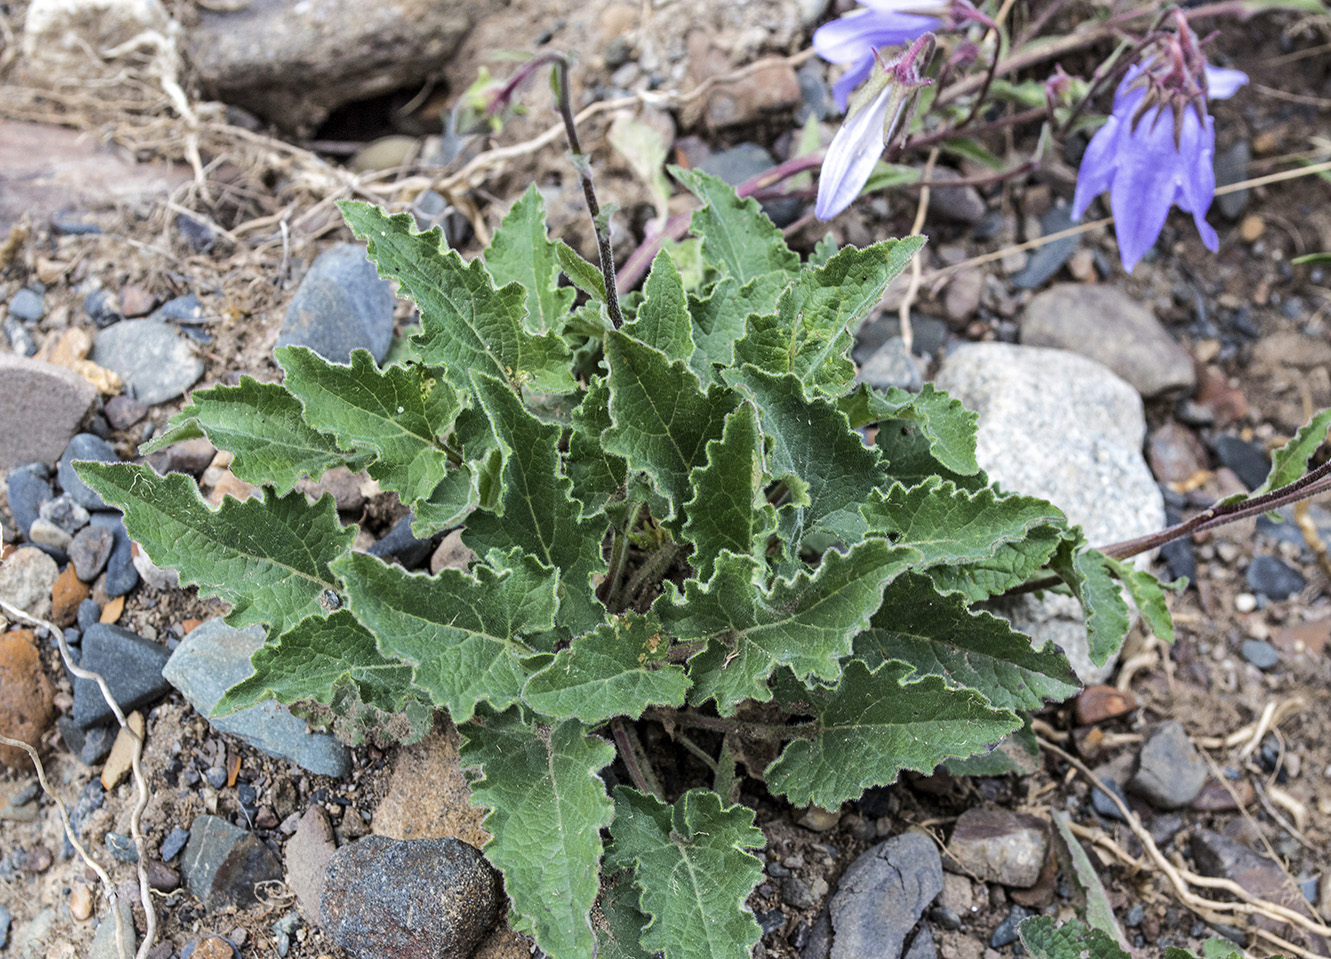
(1222, 308)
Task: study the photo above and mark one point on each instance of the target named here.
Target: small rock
(743, 162)
(194, 231)
(19, 800)
(27, 305)
(43, 406)
(84, 446)
(960, 204)
(162, 877)
(103, 944)
(749, 100)
(1048, 259)
(1170, 773)
(882, 895)
(307, 854)
(961, 299)
(102, 308)
(403, 545)
(818, 819)
(1310, 638)
(80, 902)
(1269, 575)
(1247, 460)
(5, 920)
(1231, 166)
(214, 657)
(421, 899)
(451, 553)
(131, 666)
(1260, 654)
(154, 361)
(1006, 933)
(122, 412)
(121, 576)
(1105, 324)
(796, 892)
(191, 456)
(892, 365)
(923, 945)
(182, 309)
(222, 863)
(91, 746)
(27, 699)
(43, 532)
(27, 493)
(65, 512)
(999, 845)
(1251, 227)
(20, 340)
(121, 847)
(89, 551)
(348, 488)
(341, 305)
(26, 578)
(121, 760)
(1098, 704)
(1175, 453)
(174, 842)
(159, 578)
(67, 593)
(135, 301)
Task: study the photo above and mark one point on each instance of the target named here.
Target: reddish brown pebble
(27, 700)
(161, 876)
(135, 300)
(1098, 704)
(36, 859)
(1307, 638)
(190, 625)
(1215, 797)
(66, 595)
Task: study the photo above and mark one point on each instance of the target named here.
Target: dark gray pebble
(1046, 261)
(131, 666)
(121, 847)
(199, 235)
(216, 776)
(400, 543)
(27, 491)
(1270, 576)
(945, 917)
(20, 340)
(90, 550)
(1104, 805)
(90, 800)
(84, 446)
(27, 305)
(223, 863)
(1260, 654)
(796, 892)
(122, 412)
(771, 921)
(103, 308)
(91, 746)
(883, 894)
(743, 162)
(151, 357)
(182, 309)
(341, 305)
(71, 225)
(121, 576)
(1006, 933)
(1247, 460)
(5, 920)
(65, 512)
(174, 842)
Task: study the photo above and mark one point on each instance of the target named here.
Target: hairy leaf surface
(1089, 573)
(719, 317)
(737, 236)
(598, 476)
(269, 558)
(662, 321)
(547, 809)
(692, 864)
(522, 253)
(947, 428)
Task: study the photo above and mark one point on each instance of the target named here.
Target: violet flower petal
(851, 157)
(1222, 83)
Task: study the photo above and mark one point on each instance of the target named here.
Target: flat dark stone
(131, 666)
(84, 446)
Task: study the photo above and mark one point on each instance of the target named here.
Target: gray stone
(1231, 166)
(121, 576)
(103, 945)
(1047, 260)
(961, 204)
(1248, 460)
(27, 305)
(1260, 654)
(1170, 773)
(43, 532)
(84, 446)
(42, 406)
(20, 340)
(5, 920)
(743, 162)
(1062, 427)
(65, 512)
(214, 657)
(341, 305)
(1107, 325)
(1273, 578)
(92, 746)
(923, 945)
(412, 899)
(27, 492)
(892, 365)
(882, 895)
(131, 666)
(307, 855)
(222, 863)
(155, 362)
(998, 845)
(174, 842)
(26, 578)
(89, 551)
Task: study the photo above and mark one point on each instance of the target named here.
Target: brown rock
(1227, 403)
(347, 488)
(452, 553)
(1175, 453)
(307, 855)
(121, 759)
(41, 405)
(136, 301)
(1098, 704)
(80, 902)
(1304, 638)
(998, 845)
(214, 947)
(27, 700)
(428, 796)
(66, 595)
(748, 100)
(162, 877)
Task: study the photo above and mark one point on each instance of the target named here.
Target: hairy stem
(619, 557)
(773, 731)
(651, 571)
(635, 758)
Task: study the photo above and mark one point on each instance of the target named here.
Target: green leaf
(662, 420)
(462, 632)
(1148, 594)
(729, 510)
(737, 236)
(806, 623)
(547, 809)
(692, 865)
(537, 512)
(618, 669)
(1045, 939)
(1089, 573)
(620, 922)
(954, 527)
(398, 414)
(598, 476)
(1312, 259)
(872, 726)
(522, 253)
(314, 660)
(1099, 912)
(663, 320)
(719, 317)
(269, 558)
(823, 251)
(585, 276)
(466, 324)
(947, 426)
(1291, 461)
(940, 636)
(817, 315)
(263, 425)
(1014, 755)
(812, 440)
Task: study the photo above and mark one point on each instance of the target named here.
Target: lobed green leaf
(522, 253)
(737, 236)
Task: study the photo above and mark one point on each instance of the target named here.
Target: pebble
(796, 892)
(43, 532)
(214, 657)
(341, 305)
(20, 340)
(892, 365)
(80, 902)
(91, 746)
(26, 578)
(131, 666)
(27, 305)
(102, 308)
(121, 759)
(222, 863)
(1271, 576)
(122, 411)
(1247, 460)
(19, 800)
(1006, 933)
(121, 847)
(1059, 426)
(43, 406)
(1231, 166)
(961, 299)
(191, 456)
(1099, 704)
(198, 234)
(283, 930)
(174, 842)
(414, 899)
(307, 855)
(27, 699)
(959, 204)
(135, 301)
(67, 593)
(1251, 227)
(1175, 453)
(121, 576)
(401, 544)
(1260, 654)
(27, 492)
(5, 921)
(1105, 324)
(882, 895)
(998, 845)
(154, 361)
(1170, 773)
(181, 309)
(451, 553)
(162, 877)
(89, 550)
(65, 512)
(103, 944)
(84, 446)
(1045, 261)
(818, 819)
